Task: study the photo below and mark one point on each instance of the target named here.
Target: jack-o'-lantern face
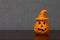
(41, 25)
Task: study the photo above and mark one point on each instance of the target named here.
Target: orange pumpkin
(41, 25)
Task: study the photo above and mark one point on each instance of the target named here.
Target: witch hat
(41, 15)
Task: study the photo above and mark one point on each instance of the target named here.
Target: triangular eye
(43, 22)
(39, 22)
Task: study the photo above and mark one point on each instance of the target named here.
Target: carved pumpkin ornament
(41, 25)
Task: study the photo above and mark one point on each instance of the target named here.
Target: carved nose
(41, 25)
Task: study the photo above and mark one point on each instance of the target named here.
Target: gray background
(18, 14)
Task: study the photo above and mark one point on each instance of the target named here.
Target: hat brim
(41, 18)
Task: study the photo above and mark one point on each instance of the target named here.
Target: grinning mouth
(41, 29)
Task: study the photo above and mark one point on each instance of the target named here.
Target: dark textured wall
(18, 14)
